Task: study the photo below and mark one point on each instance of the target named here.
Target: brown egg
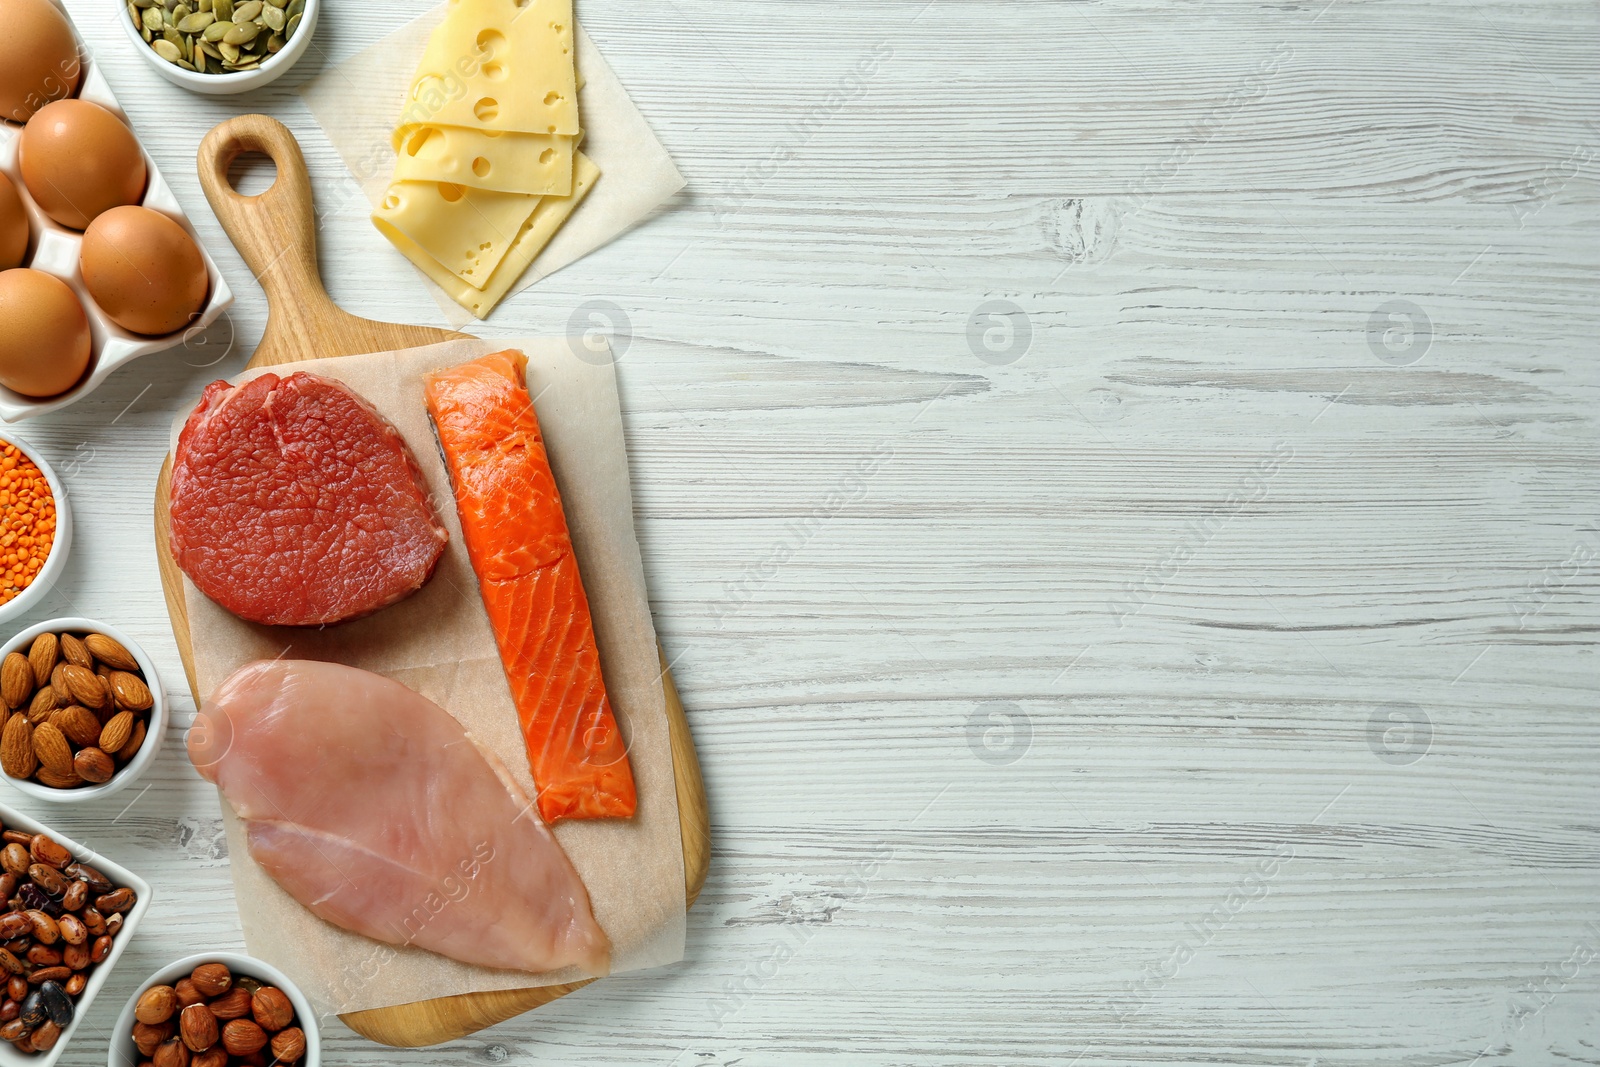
(144, 270)
(13, 226)
(44, 333)
(78, 159)
(38, 57)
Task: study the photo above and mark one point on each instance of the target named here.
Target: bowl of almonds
(217, 47)
(220, 1009)
(66, 914)
(83, 710)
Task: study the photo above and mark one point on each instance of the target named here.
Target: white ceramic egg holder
(54, 250)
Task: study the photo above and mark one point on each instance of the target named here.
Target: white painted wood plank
(993, 733)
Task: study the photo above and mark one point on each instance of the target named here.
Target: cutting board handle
(275, 231)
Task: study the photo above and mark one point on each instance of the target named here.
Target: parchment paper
(440, 644)
(358, 103)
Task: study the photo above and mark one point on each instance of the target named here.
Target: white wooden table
(1118, 483)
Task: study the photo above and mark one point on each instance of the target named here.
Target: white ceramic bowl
(226, 84)
(26, 600)
(155, 729)
(15, 820)
(123, 1052)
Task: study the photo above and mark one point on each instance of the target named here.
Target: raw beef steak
(294, 503)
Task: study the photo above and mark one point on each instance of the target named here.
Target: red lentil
(27, 521)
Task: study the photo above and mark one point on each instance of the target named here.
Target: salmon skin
(516, 535)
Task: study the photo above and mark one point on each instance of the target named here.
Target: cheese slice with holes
(468, 231)
(542, 225)
(538, 164)
(499, 65)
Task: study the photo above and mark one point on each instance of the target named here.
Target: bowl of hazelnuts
(219, 1009)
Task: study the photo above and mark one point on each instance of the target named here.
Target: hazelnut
(289, 1045)
(187, 993)
(198, 1027)
(272, 1009)
(172, 1053)
(156, 1004)
(242, 1037)
(234, 1004)
(212, 1057)
(212, 979)
(147, 1037)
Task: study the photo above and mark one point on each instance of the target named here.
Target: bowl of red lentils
(35, 528)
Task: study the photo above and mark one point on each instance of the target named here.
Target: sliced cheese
(499, 65)
(468, 231)
(536, 164)
(546, 219)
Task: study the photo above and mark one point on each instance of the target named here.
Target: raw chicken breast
(373, 807)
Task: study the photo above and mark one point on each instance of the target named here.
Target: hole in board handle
(251, 173)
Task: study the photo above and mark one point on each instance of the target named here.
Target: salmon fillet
(374, 808)
(516, 535)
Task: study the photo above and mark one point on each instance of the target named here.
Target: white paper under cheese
(495, 65)
(469, 231)
(542, 225)
(537, 164)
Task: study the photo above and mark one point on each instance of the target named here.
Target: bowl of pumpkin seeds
(220, 46)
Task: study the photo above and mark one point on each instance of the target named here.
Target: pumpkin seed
(145, 34)
(274, 18)
(185, 64)
(166, 17)
(173, 36)
(274, 43)
(167, 50)
(209, 49)
(199, 60)
(223, 9)
(247, 11)
(215, 31)
(241, 33)
(152, 19)
(230, 52)
(196, 22)
(181, 12)
(290, 26)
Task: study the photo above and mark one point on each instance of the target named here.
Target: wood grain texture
(274, 232)
(1199, 246)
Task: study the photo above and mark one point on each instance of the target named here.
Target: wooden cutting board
(275, 233)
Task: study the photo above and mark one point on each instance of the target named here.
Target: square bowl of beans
(68, 914)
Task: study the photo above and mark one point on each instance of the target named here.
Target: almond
(242, 1037)
(81, 726)
(44, 702)
(16, 748)
(94, 765)
(42, 657)
(83, 685)
(52, 748)
(129, 750)
(156, 1004)
(58, 682)
(16, 680)
(70, 780)
(110, 652)
(73, 651)
(271, 1008)
(130, 692)
(198, 1027)
(116, 732)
